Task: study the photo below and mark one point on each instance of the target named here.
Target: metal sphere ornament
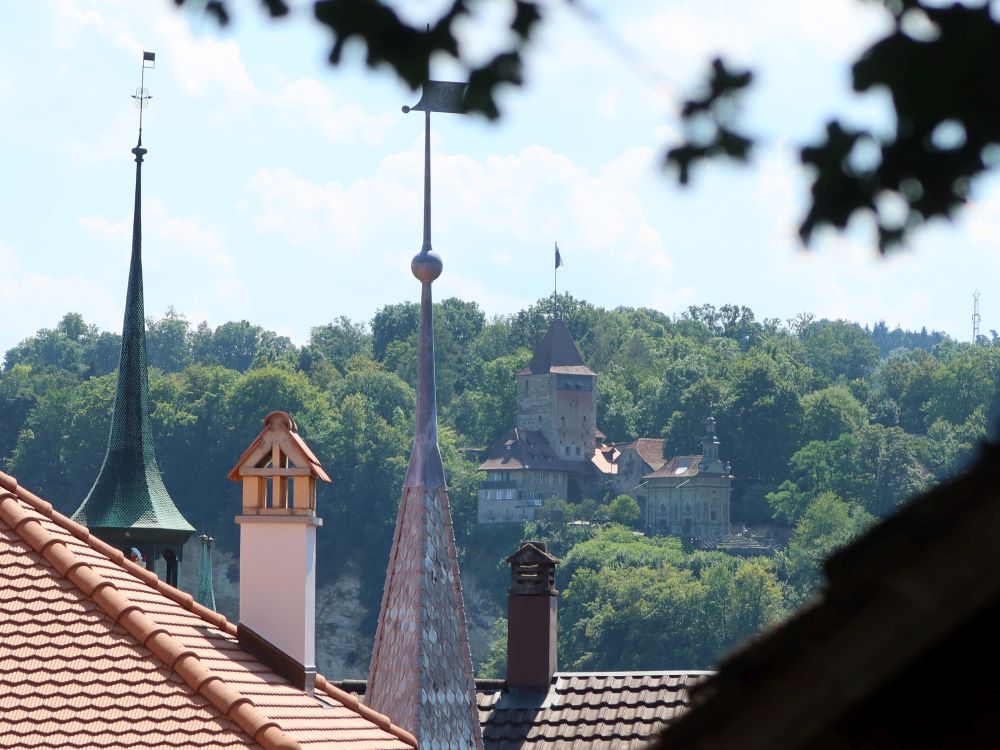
(426, 266)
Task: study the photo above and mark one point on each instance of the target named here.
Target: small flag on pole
(559, 260)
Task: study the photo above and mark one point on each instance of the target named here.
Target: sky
(287, 192)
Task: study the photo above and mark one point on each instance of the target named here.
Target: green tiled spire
(128, 504)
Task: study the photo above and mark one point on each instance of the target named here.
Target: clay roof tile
(97, 655)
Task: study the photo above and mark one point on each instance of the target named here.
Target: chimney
(532, 606)
(278, 550)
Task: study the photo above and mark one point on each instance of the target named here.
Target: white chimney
(278, 550)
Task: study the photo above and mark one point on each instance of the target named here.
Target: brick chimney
(532, 607)
(278, 550)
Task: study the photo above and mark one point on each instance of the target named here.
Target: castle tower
(556, 395)
(128, 506)
(421, 669)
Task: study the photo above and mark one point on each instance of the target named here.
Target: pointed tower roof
(421, 669)
(557, 353)
(128, 501)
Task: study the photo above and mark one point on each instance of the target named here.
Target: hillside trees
(796, 428)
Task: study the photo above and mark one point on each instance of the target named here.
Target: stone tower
(556, 395)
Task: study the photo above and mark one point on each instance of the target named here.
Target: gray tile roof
(597, 710)
(557, 353)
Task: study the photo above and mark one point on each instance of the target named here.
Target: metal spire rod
(142, 95)
(426, 247)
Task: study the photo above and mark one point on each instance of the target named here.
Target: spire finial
(142, 97)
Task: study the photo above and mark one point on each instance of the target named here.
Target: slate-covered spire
(421, 669)
(128, 506)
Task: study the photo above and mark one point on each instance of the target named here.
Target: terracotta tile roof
(557, 353)
(678, 466)
(599, 710)
(604, 458)
(97, 651)
(650, 450)
(526, 449)
(911, 584)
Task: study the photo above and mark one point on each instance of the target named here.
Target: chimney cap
(279, 428)
(533, 552)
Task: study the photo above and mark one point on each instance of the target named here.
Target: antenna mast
(975, 318)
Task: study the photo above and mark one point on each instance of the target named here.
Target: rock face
(480, 614)
(343, 650)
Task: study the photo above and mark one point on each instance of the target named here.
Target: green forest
(828, 426)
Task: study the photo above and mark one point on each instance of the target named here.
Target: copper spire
(128, 504)
(421, 670)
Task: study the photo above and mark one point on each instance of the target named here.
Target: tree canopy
(821, 444)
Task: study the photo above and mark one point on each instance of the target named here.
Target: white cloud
(34, 300)
(185, 262)
(72, 19)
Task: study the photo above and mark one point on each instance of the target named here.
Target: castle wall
(536, 404)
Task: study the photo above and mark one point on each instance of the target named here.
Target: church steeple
(421, 669)
(128, 506)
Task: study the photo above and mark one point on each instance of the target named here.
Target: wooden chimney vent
(279, 471)
(533, 570)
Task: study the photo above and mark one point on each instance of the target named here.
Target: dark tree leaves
(708, 123)
(407, 49)
(943, 87)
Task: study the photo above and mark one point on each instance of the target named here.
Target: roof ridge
(241, 709)
(351, 701)
(167, 649)
(148, 577)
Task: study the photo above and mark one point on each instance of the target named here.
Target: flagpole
(557, 261)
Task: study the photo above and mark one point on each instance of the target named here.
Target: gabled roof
(526, 449)
(281, 432)
(557, 353)
(604, 460)
(96, 651)
(678, 466)
(911, 584)
(650, 450)
(530, 553)
(595, 710)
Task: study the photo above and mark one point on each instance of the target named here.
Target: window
(567, 450)
(578, 450)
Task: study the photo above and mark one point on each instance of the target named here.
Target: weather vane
(142, 95)
(437, 96)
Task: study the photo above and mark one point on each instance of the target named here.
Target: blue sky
(285, 191)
